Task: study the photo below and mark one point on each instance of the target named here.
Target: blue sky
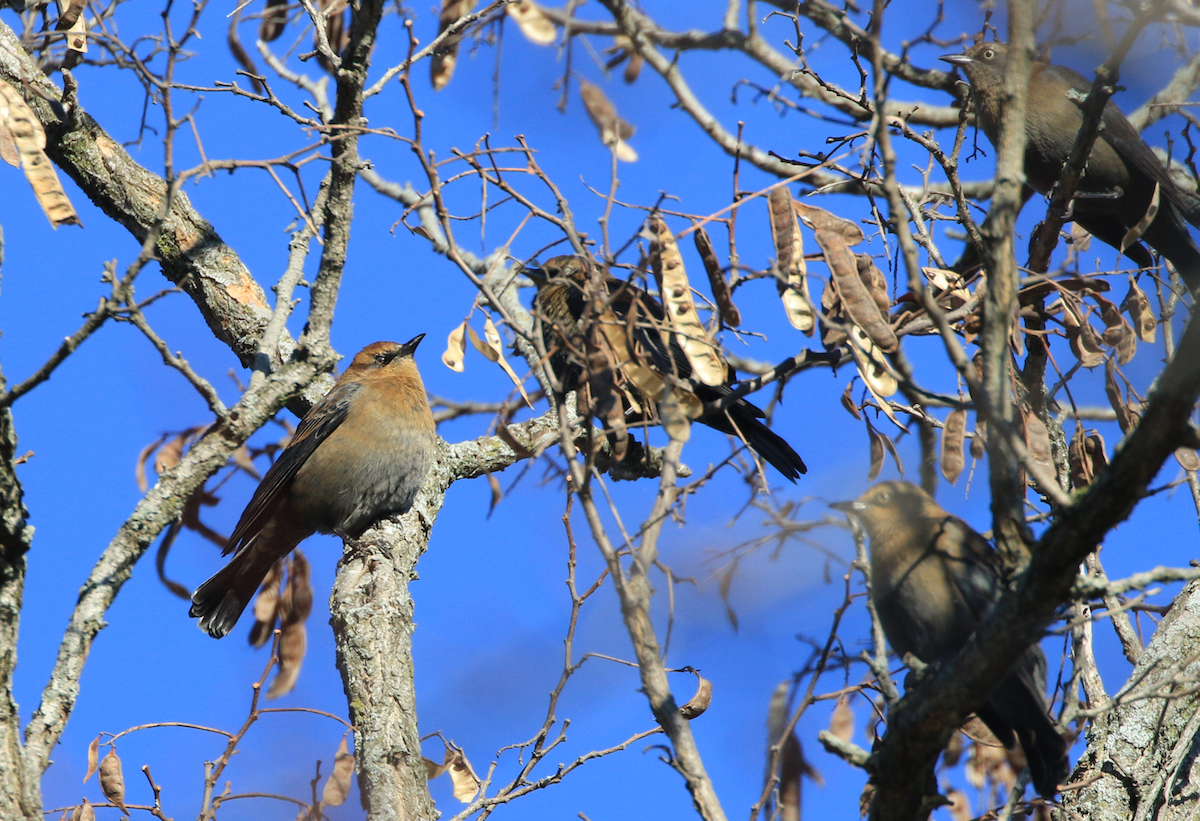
(491, 605)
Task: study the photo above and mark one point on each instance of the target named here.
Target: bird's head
(568, 267)
(983, 63)
(383, 355)
(889, 503)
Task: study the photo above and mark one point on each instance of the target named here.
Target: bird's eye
(989, 54)
(884, 497)
(381, 359)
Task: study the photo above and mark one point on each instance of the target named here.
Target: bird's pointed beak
(847, 507)
(956, 59)
(538, 275)
(409, 347)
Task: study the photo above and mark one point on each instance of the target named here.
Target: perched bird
(359, 455)
(629, 321)
(1122, 171)
(933, 579)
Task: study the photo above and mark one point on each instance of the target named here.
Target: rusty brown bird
(630, 324)
(933, 579)
(359, 455)
(1122, 171)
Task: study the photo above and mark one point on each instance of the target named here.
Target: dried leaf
(456, 348)
(293, 644)
(112, 782)
(1135, 233)
(818, 219)
(1079, 460)
(613, 130)
(953, 435)
(26, 131)
(1138, 307)
(698, 703)
(857, 300)
(841, 723)
(876, 442)
(891, 448)
(337, 787)
(716, 279)
(432, 768)
(93, 757)
(633, 68)
(789, 256)
(445, 57)
(676, 292)
(535, 25)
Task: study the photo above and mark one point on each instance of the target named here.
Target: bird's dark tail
(1017, 706)
(219, 602)
(764, 441)
(1046, 753)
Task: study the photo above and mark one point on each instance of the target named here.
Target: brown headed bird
(359, 455)
(1122, 171)
(629, 323)
(933, 579)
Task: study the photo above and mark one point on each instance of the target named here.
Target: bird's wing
(1128, 143)
(322, 420)
(972, 565)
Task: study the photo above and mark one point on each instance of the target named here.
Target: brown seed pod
(857, 301)
(953, 435)
(676, 292)
(730, 315)
(112, 782)
(789, 257)
(1138, 307)
(698, 703)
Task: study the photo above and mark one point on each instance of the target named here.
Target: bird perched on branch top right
(933, 579)
(1119, 182)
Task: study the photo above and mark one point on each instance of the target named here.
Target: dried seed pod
(337, 787)
(1138, 307)
(93, 758)
(1037, 442)
(1127, 417)
(841, 722)
(1082, 337)
(456, 348)
(1117, 332)
(29, 138)
(1135, 233)
(112, 782)
(875, 281)
(613, 130)
(698, 703)
(534, 24)
(266, 606)
(872, 365)
(1079, 461)
(979, 439)
(676, 292)
(445, 57)
(832, 336)
(953, 435)
(789, 256)
(273, 20)
(857, 301)
(293, 644)
(818, 219)
(730, 315)
(875, 439)
(1187, 459)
